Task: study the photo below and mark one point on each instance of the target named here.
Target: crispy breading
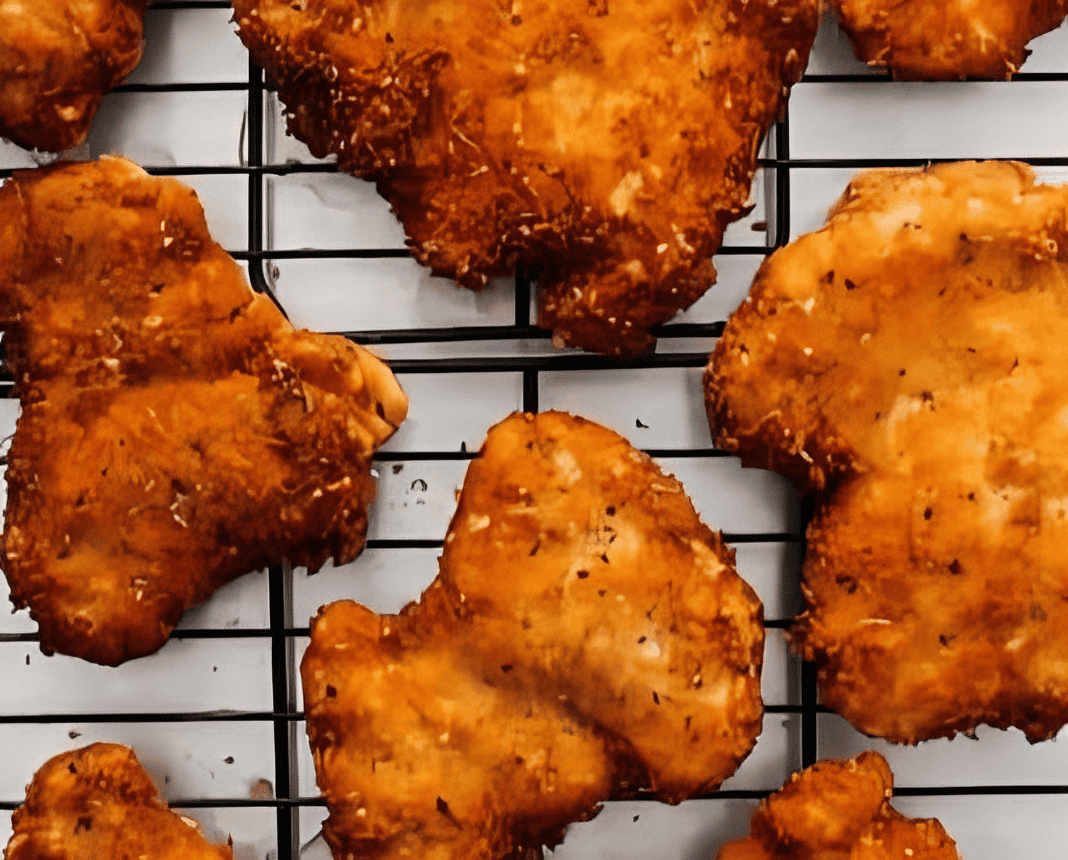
(58, 59)
(603, 146)
(97, 802)
(587, 636)
(905, 365)
(176, 431)
(947, 39)
(840, 810)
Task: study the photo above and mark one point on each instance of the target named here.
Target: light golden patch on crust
(602, 146)
(58, 59)
(98, 802)
(840, 810)
(904, 364)
(176, 431)
(586, 636)
(947, 39)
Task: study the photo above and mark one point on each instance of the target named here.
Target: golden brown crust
(97, 802)
(176, 431)
(840, 810)
(58, 59)
(947, 39)
(905, 364)
(602, 145)
(586, 636)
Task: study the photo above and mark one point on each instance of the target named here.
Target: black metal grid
(283, 630)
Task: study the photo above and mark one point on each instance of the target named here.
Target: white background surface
(204, 759)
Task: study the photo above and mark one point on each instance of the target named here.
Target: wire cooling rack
(216, 716)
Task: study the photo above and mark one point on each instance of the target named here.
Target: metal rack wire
(272, 807)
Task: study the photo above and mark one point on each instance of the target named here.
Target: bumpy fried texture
(586, 636)
(176, 431)
(905, 363)
(840, 810)
(97, 802)
(58, 59)
(602, 145)
(947, 39)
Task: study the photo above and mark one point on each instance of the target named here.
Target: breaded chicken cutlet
(602, 146)
(947, 39)
(97, 803)
(58, 59)
(840, 810)
(176, 431)
(587, 636)
(904, 365)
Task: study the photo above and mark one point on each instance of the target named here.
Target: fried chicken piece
(947, 39)
(840, 810)
(586, 636)
(905, 364)
(176, 431)
(603, 146)
(97, 802)
(58, 59)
